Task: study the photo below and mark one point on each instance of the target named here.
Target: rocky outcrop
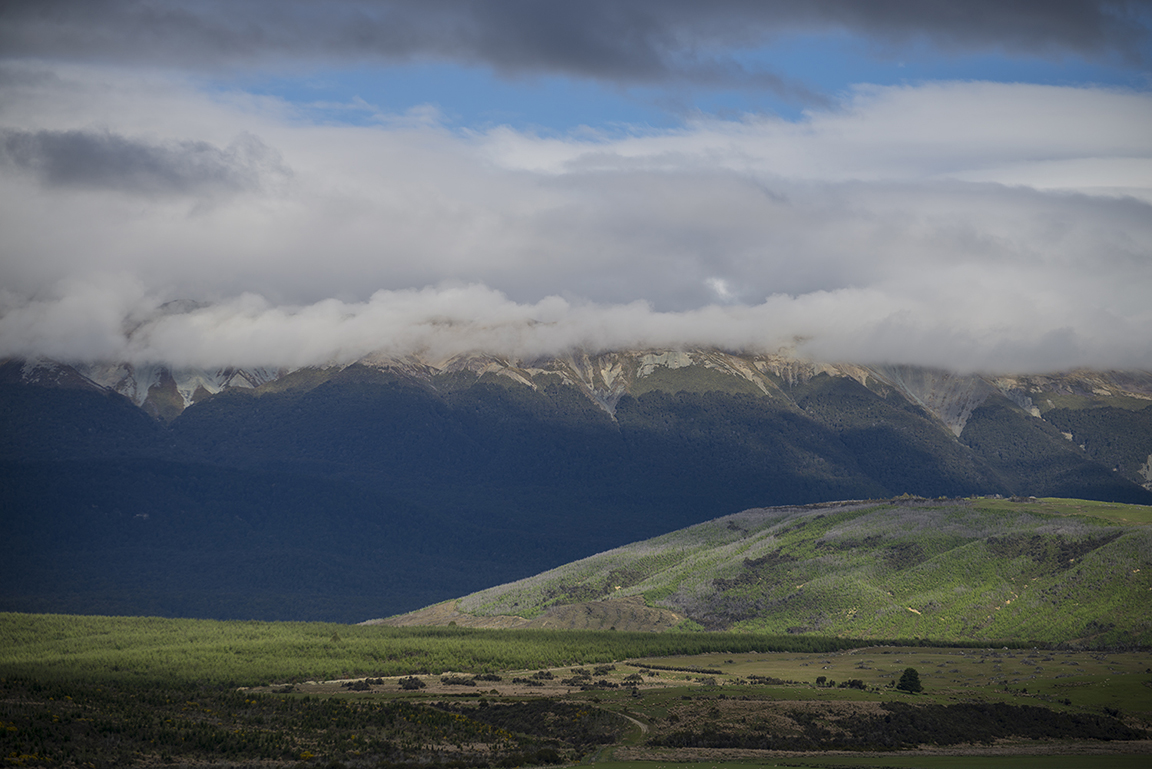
(605, 377)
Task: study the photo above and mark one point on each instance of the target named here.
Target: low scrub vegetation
(81, 694)
(253, 653)
(897, 725)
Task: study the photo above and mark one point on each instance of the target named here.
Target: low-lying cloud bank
(116, 320)
(999, 227)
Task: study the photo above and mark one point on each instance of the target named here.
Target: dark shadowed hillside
(375, 488)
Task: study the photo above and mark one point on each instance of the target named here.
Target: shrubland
(109, 691)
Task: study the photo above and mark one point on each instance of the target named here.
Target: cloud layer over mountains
(971, 225)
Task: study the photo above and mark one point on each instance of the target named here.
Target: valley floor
(770, 706)
(110, 692)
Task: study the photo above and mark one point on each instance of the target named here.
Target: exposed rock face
(1082, 383)
(950, 397)
(165, 392)
(606, 376)
(41, 372)
(1146, 473)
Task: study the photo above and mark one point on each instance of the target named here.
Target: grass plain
(111, 691)
(105, 692)
(216, 653)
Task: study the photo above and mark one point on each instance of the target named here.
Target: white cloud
(950, 130)
(969, 225)
(113, 320)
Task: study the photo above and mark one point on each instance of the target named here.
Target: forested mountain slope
(377, 487)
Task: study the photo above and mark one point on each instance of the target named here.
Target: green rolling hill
(982, 569)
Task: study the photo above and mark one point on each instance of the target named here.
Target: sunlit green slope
(1030, 570)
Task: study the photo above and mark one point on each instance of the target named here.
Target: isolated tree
(910, 681)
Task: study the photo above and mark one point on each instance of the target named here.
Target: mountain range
(382, 485)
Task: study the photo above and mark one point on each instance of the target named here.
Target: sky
(284, 183)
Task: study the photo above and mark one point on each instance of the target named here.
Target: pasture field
(207, 652)
(104, 692)
(1118, 680)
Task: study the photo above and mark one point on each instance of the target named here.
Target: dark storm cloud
(624, 41)
(101, 160)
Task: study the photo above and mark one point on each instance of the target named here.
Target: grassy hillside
(1054, 571)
